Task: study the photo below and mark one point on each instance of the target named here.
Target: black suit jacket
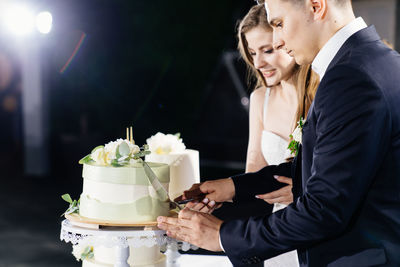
(347, 208)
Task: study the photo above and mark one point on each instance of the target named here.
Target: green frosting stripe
(133, 174)
(142, 210)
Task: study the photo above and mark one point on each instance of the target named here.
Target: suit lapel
(297, 188)
(296, 175)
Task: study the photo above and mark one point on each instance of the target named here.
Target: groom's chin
(301, 60)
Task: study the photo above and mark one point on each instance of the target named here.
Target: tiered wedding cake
(183, 163)
(116, 189)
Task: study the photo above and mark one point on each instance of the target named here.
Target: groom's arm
(248, 185)
(353, 132)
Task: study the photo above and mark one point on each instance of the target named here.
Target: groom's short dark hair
(301, 2)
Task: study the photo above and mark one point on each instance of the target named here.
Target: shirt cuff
(220, 243)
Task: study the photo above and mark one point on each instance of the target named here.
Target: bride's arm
(255, 160)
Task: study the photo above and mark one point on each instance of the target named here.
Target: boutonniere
(296, 137)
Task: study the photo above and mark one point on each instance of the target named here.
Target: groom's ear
(318, 8)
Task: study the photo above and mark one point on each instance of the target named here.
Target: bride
(284, 92)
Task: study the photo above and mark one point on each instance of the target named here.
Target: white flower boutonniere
(296, 137)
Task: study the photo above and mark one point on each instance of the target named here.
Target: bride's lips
(269, 73)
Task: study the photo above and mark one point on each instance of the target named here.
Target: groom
(346, 210)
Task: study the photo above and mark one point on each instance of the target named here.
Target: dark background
(155, 65)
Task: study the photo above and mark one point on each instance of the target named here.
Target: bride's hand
(283, 195)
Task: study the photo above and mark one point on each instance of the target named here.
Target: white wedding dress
(274, 150)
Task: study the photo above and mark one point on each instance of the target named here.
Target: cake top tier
(117, 153)
(131, 174)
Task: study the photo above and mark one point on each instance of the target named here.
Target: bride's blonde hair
(305, 79)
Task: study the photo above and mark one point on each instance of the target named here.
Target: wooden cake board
(85, 222)
(81, 221)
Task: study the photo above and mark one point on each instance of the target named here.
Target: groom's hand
(205, 206)
(197, 228)
(220, 190)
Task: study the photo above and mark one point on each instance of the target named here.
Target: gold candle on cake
(132, 141)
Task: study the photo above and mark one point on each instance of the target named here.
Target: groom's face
(293, 28)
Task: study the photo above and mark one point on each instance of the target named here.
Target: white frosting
(160, 262)
(137, 256)
(184, 169)
(117, 193)
(122, 193)
(142, 256)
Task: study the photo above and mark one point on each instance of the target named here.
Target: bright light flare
(44, 22)
(19, 20)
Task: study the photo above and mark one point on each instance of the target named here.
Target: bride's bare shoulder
(258, 94)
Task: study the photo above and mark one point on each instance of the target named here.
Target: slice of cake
(183, 163)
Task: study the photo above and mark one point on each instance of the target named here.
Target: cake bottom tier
(161, 262)
(141, 256)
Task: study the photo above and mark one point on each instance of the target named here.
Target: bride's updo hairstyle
(305, 80)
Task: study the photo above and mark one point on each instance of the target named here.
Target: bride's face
(274, 64)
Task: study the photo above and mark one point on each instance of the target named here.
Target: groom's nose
(278, 43)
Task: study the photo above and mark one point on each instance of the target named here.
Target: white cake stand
(122, 238)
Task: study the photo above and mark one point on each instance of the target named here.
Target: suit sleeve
(353, 132)
(254, 183)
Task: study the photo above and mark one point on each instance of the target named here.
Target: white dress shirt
(330, 49)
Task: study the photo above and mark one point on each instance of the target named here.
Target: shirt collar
(330, 49)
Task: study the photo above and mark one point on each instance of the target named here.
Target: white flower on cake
(110, 151)
(165, 144)
(99, 156)
(116, 153)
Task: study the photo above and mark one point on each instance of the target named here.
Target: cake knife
(153, 179)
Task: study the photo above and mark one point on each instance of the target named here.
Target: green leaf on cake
(73, 204)
(67, 198)
(144, 150)
(123, 149)
(178, 135)
(117, 154)
(87, 253)
(86, 160)
(141, 154)
(115, 163)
